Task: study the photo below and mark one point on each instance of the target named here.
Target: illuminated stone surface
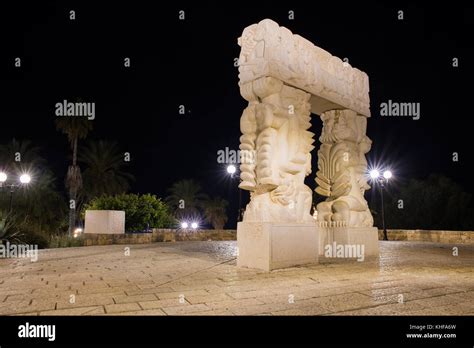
(201, 278)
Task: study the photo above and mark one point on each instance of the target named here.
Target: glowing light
(387, 174)
(3, 177)
(374, 173)
(77, 232)
(184, 225)
(25, 179)
(231, 169)
(194, 225)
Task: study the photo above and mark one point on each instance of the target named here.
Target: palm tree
(104, 174)
(39, 205)
(215, 212)
(75, 128)
(186, 198)
(19, 156)
(8, 230)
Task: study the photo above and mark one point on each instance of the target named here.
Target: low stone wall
(167, 235)
(172, 235)
(437, 236)
(158, 235)
(108, 239)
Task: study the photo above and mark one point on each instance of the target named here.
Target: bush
(38, 239)
(141, 211)
(9, 231)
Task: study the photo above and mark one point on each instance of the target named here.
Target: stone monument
(105, 222)
(285, 78)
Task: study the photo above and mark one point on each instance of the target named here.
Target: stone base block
(269, 246)
(105, 222)
(356, 237)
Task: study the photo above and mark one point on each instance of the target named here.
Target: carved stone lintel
(274, 51)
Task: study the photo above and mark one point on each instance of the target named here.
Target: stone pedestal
(268, 246)
(350, 236)
(105, 222)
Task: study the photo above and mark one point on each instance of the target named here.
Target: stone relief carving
(274, 126)
(284, 77)
(342, 168)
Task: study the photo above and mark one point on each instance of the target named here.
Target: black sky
(191, 63)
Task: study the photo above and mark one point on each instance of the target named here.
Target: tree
(437, 203)
(38, 207)
(141, 211)
(9, 231)
(104, 174)
(41, 204)
(186, 198)
(215, 212)
(19, 156)
(75, 128)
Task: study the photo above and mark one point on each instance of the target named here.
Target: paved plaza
(201, 278)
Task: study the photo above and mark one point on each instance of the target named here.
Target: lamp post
(24, 179)
(231, 169)
(382, 180)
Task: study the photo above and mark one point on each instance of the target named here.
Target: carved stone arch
(285, 78)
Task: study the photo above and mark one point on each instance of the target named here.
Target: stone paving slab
(201, 278)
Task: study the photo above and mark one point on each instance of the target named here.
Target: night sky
(191, 63)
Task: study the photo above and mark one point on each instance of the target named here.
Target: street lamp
(24, 180)
(231, 169)
(382, 180)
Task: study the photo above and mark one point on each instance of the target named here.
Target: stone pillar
(342, 178)
(277, 229)
(342, 169)
(275, 152)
